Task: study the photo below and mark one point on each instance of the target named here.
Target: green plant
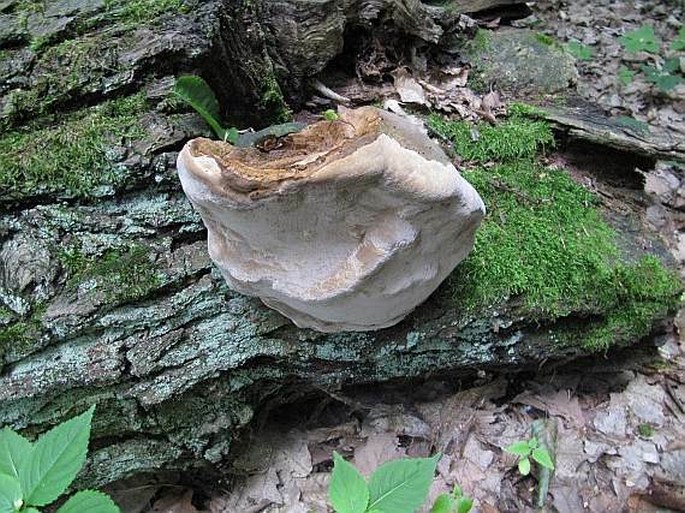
(36, 474)
(330, 115)
(665, 77)
(527, 449)
(455, 502)
(665, 73)
(579, 50)
(196, 92)
(645, 430)
(399, 486)
(641, 40)
(679, 43)
(625, 75)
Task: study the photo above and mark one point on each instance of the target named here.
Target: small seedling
(527, 449)
(196, 92)
(455, 502)
(664, 78)
(36, 474)
(398, 486)
(679, 43)
(645, 430)
(626, 76)
(641, 40)
(330, 115)
(579, 50)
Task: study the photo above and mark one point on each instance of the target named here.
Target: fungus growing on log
(346, 225)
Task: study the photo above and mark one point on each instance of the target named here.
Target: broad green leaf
(348, 490)
(443, 504)
(14, 449)
(464, 504)
(519, 448)
(196, 92)
(89, 501)
(401, 486)
(640, 39)
(524, 466)
(679, 43)
(541, 455)
(31, 510)
(57, 457)
(10, 494)
(625, 75)
(661, 78)
(533, 443)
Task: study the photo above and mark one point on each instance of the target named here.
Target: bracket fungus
(346, 225)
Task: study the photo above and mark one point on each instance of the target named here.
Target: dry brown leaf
(379, 448)
(556, 403)
(174, 502)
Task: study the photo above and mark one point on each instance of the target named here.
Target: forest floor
(616, 426)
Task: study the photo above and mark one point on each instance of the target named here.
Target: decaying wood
(634, 137)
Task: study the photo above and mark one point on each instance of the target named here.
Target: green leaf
(579, 50)
(196, 92)
(330, 115)
(524, 466)
(519, 448)
(90, 501)
(57, 457)
(533, 443)
(641, 39)
(464, 504)
(348, 490)
(10, 494)
(625, 75)
(401, 486)
(30, 510)
(443, 504)
(672, 65)
(661, 78)
(541, 455)
(679, 43)
(14, 449)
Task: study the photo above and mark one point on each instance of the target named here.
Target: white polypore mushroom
(346, 225)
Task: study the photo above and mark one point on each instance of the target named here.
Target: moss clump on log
(121, 276)
(546, 240)
(72, 158)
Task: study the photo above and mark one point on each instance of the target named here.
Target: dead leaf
(558, 403)
(379, 448)
(409, 90)
(173, 502)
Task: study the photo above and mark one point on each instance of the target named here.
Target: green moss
(73, 157)
(20, 335)
(121, 276)
(481, 41)
(546, 39)
(137, 12)
(516, 138)
(544, 239)
(273, 101)
(64, 72)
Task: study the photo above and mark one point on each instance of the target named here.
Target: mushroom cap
(346, 225)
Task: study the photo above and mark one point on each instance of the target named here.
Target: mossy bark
(107, 293)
